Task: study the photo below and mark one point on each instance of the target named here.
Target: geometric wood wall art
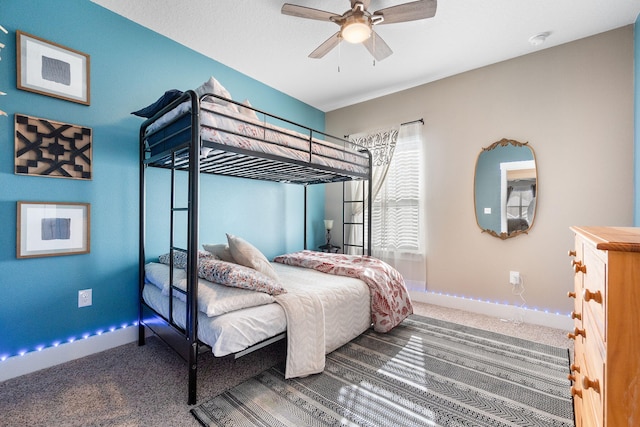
(48, 148)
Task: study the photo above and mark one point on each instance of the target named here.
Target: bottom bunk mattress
(345, 305)
(228, 333)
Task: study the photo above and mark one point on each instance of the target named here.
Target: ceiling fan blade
(325, 47)
(377, 47)
(307, 12)
(413, 11)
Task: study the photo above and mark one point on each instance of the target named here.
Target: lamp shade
(328, 224)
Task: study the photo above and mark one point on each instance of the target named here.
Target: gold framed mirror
(506, 188)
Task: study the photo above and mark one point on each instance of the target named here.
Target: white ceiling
(254, 38)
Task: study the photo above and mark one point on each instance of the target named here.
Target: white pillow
(158, 275)
(213, 86)
(221, 251)
(215, 299)
(248, 255)
(248, 112)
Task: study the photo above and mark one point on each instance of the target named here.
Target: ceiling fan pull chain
(374, 48)
(339, 55)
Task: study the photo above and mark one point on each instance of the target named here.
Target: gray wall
(574, 105)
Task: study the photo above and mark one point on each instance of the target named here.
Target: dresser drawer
(595, 353)
(593, 292)
(592, 409)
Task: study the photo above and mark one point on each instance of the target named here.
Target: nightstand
(330, 248)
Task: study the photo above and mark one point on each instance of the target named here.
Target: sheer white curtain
(381, 144)
(398, 231)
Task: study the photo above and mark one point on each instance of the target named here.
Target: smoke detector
(538, 39)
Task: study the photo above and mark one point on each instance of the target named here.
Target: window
(398, 234)
(396, 210)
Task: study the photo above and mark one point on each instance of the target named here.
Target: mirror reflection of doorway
(518, 195)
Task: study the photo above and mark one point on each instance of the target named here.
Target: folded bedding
(213, 299)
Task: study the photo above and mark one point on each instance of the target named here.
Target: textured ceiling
(254, 38)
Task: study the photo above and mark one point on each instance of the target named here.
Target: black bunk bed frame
(229, 161)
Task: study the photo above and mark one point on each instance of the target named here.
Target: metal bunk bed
(178, 146)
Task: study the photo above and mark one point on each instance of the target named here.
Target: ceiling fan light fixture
(356, 30)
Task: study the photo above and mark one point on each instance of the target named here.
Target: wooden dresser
(606, 367)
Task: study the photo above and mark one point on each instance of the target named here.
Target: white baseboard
(501, 311)
(51, 356)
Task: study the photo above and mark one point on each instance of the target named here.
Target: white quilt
(305, 333)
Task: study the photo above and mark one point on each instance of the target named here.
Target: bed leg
(141, 334)
(193, 370)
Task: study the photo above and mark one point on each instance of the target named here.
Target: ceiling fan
(356, 24)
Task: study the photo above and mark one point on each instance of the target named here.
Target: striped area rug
(425, 372)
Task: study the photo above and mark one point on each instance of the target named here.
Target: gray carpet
(146, 386)
(127, 386)
(424, 372)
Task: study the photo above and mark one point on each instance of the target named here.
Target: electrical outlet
(514, 278)
(85, 298)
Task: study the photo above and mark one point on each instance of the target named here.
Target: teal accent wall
(636, 115)
(131, 67)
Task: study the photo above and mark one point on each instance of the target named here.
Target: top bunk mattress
(229, 127)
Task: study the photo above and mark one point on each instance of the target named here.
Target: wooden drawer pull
(591, 384)
(575, 315)
(575, 333)
(571, 294)
(572, 253)
(579, 267)
(576, 391)
(571, 377)
(575, 367)
(596, 296)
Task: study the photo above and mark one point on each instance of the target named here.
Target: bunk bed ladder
(177, 215)
(356, 229)
(172, 229)
(183, 340)
(188, 348)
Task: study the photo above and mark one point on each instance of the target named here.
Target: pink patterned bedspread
(390, 302)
